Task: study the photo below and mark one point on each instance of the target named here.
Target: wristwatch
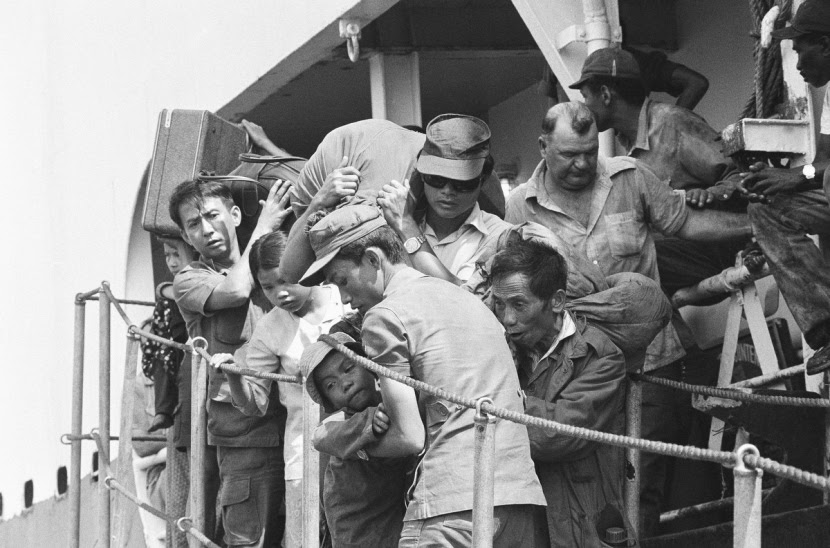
(411, 245)
(809, 172)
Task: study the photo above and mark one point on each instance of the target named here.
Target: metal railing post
(77, 424)
(825, 393)
(633, 416)
(747, 510)
(311, 473)
(123, 472)
(198, 439)
(104, 539)
(483, 476)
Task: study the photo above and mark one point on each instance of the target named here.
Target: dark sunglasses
(436, 181)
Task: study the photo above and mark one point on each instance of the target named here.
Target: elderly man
(605, 208)
(797, 206)
(573, 374)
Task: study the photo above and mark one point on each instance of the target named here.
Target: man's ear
(825, 45)
(605, 95)
(557, 301)
(236, 214)
(185, 237)
(543, 145)
(374, 257)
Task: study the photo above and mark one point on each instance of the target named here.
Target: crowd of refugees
(403, 249)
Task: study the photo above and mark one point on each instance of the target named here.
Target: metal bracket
(350, 30)
(594, 31)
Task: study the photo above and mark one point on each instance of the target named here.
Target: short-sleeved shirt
(627, 199)
(679, 147)
(225, 331)
(382, 151)
(460, 251)
(276, 347)
(825, 113)
(438, 333)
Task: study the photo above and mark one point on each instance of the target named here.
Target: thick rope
(250, 372)
(113, 485)
(670, 449)
(733, 394)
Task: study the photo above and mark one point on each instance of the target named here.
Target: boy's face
(345, 384)
(360, 284)
(288, 296)
(177, 256)
(210, 227)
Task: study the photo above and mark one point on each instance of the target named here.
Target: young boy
(363, 497)
(159, 362)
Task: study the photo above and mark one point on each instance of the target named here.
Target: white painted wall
(83, 83)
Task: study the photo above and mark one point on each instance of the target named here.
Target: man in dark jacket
(571, 373)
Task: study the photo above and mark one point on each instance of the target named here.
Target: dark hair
(580, 118)
(383, 238)
(631, 91)
(546, 269)
(266, 253)
(197, 191)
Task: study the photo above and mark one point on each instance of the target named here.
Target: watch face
(809, 171)
(411, 245)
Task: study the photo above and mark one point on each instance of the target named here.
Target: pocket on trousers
(626, 235)
(240, 515)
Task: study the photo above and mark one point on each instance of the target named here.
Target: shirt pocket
(437, 414)
(626, 235)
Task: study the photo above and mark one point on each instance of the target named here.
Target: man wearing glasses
(444, 229)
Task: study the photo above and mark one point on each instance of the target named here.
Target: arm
(398, 205)
(592, 399)
(345, 438)
(692, 85)
(768, 181)
(250, 395)
(261, 140)
(340, 184)
(235, 288)
(715, 226)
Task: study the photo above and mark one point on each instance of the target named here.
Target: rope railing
(733, 393)
(232, 368)
(670, 449)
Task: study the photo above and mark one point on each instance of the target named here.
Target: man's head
(810, 33)
(569, 145)
(336, 382)
(610, 77)
(454, 162)
(528, 285)
(207, 216)
(356, 251)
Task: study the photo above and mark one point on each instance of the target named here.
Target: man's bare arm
(406, 434)
(715, 226)
(693, 84)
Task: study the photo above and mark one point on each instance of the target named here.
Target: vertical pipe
(747, 509)
(483, 476)
(104, 414)
(198, 440)
(825, 392)
(633, 408)
(598, 36)
(311, 473)
(124, 470)
(77, 424)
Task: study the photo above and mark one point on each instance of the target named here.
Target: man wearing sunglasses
(444, 230)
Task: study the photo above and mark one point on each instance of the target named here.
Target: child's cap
(313, 355)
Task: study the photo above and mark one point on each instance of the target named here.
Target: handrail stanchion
(747, 510)
(483, 476)
(825, 393)
(77, 424)
(198, 439)
(104, 539)
(633, 420)
(311, 473)
(124, 469)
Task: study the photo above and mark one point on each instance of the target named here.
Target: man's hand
(218, 359)
(340, 184)
(256, 134)
(380, 424)
(275, 208)
(397, 204)
(762, 182)
(699, 197)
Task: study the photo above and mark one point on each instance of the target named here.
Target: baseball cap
(813, 16)
(337, 229)
(613, 62)
(313, 355)
(456, 147)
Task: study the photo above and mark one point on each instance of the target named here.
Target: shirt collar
(475, 219)
(568, 329)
